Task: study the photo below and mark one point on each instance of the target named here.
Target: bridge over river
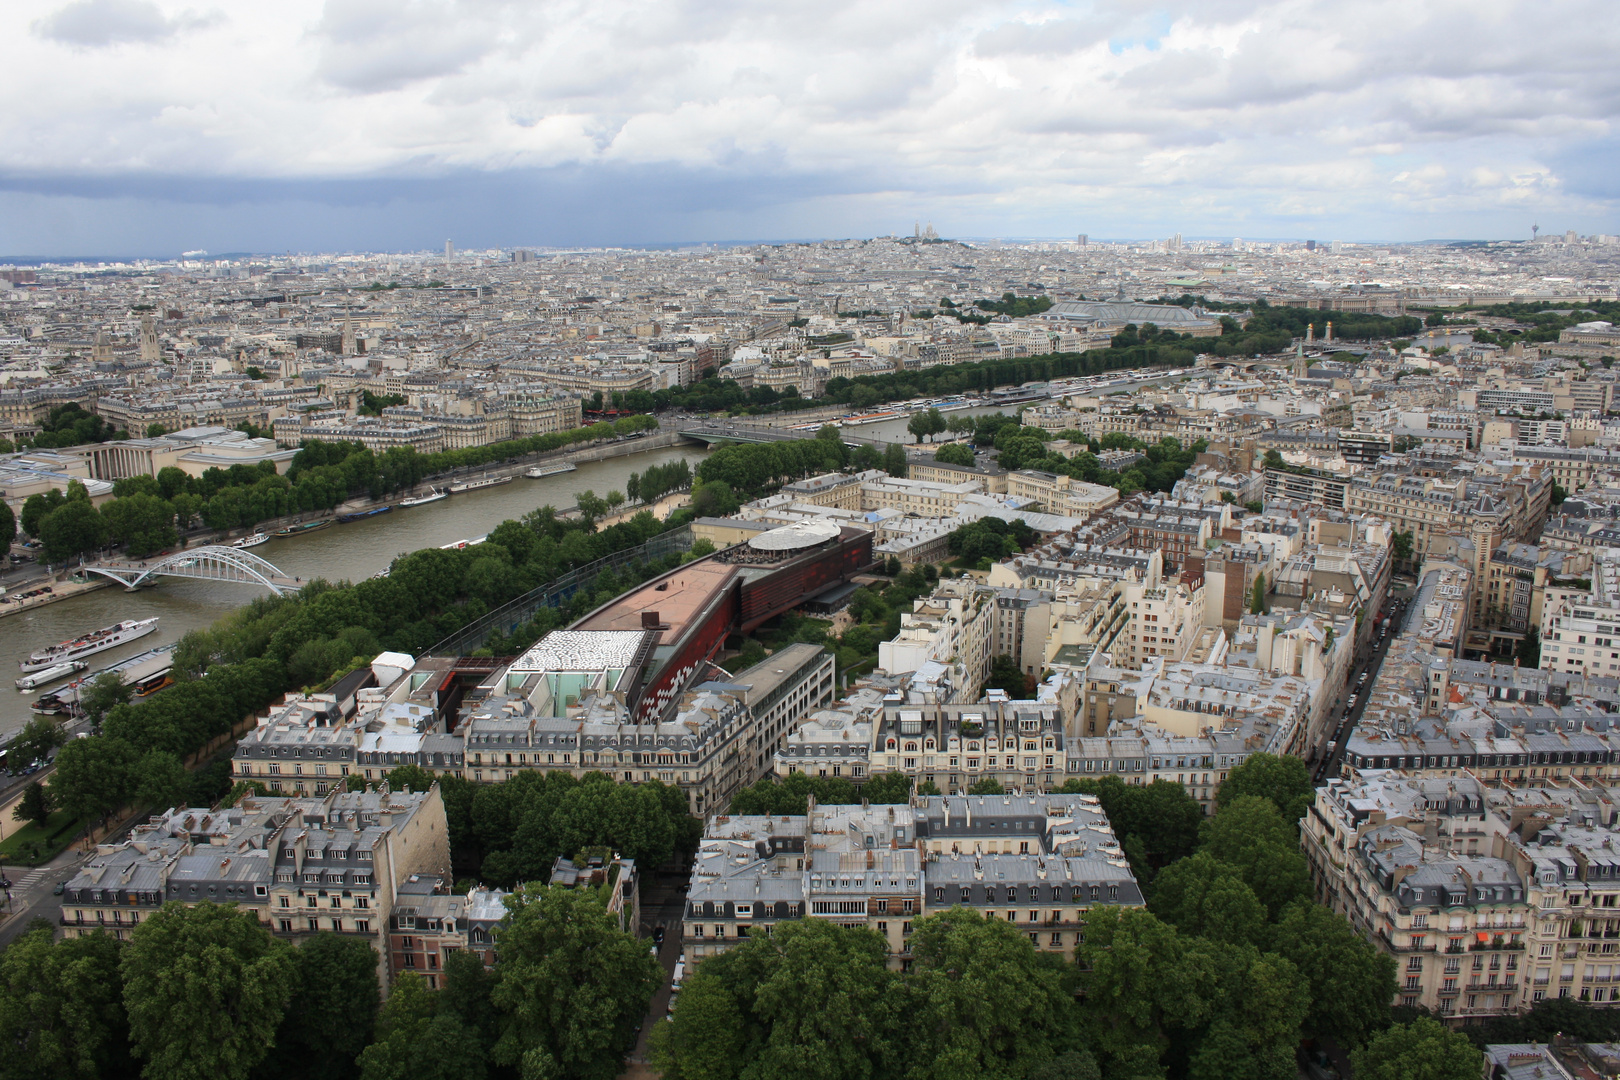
(722, 432)
(213, 562)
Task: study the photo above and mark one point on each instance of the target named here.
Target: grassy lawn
(32, 845)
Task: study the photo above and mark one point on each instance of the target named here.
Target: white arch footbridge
(213, 562)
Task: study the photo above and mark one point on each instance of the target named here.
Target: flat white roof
(582, 650)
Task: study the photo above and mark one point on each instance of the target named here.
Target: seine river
(340, 552)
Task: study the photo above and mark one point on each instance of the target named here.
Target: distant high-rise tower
(151, 352)
(449, 253)
(1310, 245)
(1084, 240)
(1535, 231)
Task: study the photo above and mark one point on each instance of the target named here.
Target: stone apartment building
(559, 713)
(1165, 619)
(1403, 861)
(1580, 627)
(954, 626)
(1571, 469)
(1041, 862)
(302, 865)
(1490, 898)
(839, 490)
(991, 480)
(1059, 494)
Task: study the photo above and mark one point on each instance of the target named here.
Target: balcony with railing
(1510, 986)
(1394, 946)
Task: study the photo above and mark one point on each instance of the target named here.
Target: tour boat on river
(50, 674)
(479, 484)
(433, 496)
(108, 637)
(553, 469)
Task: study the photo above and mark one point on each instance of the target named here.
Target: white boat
(550, 470)
(51, 674)
(459, 544)
(108, 637)
(251, 541)
(433, 495)
(479, 484)
(873, 418)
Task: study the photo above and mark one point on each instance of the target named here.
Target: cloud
(371, 46)
(1038, 113)
(99, 23)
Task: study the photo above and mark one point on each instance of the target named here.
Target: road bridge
(716, 433)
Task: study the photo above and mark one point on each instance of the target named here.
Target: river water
(339, 552)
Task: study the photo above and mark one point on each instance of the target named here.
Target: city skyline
(344, 126)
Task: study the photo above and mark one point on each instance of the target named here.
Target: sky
(149, 127)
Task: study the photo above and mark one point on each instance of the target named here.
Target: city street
(662, 907)
(33, 889)
(1329, 766)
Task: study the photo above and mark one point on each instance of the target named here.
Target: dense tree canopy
(571, 985)
(421, 1037)
(754, 468)
(1283, 780)
(328, 1019)
(519, 827)
(71, 425)
(1421, 1050)
(61, 1008)
(220, 970)
(990, 538)
(1251, 836)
